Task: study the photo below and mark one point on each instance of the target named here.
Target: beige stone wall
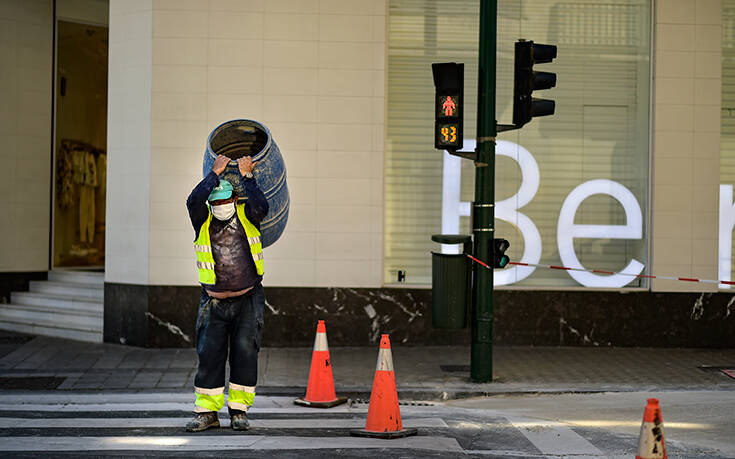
(686, 150)
(129, 142)
(311, 70)
(26, 53)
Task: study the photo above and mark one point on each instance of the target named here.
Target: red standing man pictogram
(449, 106)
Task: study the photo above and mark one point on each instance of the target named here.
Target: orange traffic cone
(320, 390)
(651, 442)
(384, 415)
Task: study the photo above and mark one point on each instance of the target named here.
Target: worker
(229, 259)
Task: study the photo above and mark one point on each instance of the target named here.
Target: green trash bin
(451, 286)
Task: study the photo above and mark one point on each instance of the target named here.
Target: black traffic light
(527, 80)
(448, 105)
(500, 259)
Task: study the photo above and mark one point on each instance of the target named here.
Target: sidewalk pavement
(422, 373)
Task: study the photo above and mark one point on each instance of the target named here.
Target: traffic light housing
(448, 105)
(500, 259)
(526, 80)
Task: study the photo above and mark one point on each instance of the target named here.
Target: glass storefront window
(595, 146)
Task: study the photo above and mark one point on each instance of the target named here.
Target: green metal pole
(483, 224)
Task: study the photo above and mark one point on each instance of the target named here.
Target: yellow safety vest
(203, 247)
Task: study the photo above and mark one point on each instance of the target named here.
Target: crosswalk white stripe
(61, 398)
(104, 423)
(221, 442)
(167, 406)
(504, 452)
(525, 454)
(554, 437)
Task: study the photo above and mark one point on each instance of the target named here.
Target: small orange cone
(320, 390)
(384, 414)
(651, 442)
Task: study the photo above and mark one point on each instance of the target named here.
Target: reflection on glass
(600, 129)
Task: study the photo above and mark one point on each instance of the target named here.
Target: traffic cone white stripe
(320, 342)
(650, 445)
(385, 360)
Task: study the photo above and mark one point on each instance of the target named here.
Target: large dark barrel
(238, 138)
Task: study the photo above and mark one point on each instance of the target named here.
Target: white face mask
(224, 211)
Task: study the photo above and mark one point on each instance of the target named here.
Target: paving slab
(429, 372)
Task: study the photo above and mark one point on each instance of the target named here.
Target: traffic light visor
(448, 76)
(543, 54)
(542, 107)
(543, 80)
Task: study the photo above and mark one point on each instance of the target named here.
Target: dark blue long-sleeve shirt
(256, 206)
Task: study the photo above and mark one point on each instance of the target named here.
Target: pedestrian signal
(500, 259)
(448, 105)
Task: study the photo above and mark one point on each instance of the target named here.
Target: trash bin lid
(451, 238)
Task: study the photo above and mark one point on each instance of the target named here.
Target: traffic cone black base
(384, 435)
(335, 402)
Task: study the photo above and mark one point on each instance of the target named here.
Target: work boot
(238, 421)
(203, 421)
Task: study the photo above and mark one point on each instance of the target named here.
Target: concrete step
(83, 291)
(77, 320)
(77, 277)
(56, 305)
(61, 302)
(51, 329)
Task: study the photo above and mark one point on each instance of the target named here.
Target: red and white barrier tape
(600, 271)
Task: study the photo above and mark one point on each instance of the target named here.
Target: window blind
(727, 133)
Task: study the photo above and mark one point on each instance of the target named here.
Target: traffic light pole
(483, 224)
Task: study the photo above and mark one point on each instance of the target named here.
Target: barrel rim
(257, 124)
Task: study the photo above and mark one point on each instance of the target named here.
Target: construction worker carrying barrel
(229, 258)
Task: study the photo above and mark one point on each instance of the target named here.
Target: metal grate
(355, 401)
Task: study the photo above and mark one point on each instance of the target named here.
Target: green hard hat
(221, 191)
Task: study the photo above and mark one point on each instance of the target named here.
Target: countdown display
(447, 136)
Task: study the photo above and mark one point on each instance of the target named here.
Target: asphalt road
(698, 423)
(146, 423)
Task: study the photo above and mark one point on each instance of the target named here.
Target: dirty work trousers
(234, 323)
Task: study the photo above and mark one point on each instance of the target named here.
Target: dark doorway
(80, 157)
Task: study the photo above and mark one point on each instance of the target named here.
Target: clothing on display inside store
(81, 176)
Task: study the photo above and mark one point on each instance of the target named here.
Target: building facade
(632, 175)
